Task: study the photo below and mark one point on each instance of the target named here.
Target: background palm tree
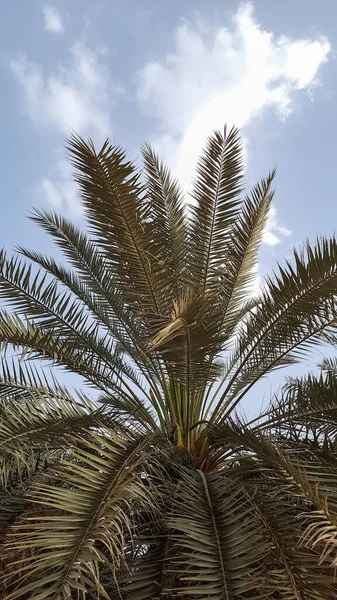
(155, 488)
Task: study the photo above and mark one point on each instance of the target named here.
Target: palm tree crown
(155, 488)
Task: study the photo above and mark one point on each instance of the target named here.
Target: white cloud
(52, 19)
(273, 227)
(77, 96)
(52, 193)
(224, 75)
(211, 76)
(62, 192)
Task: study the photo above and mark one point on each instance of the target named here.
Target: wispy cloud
(273, 228)
(61, 192)
(52, 19)
(213, 76)
(77, 96)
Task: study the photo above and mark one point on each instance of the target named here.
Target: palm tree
(150, 485)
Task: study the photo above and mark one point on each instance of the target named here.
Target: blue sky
(169, 73)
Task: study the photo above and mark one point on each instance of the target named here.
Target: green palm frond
(295, 571)
(146, 575)
(19, 379)
(98, 484)
(313, 475)
(93, 279)
(329, 365)
(244, 244)
(219, 549)
(45, 417)
(148, 559)
(296, 308)
(291, 485)
(37, 422)
(307, 408)
(166, 227)
(103, 313)
(47, 346)
(16, 478)
(55, 309)
(216, 193)
(38, 343)
(298, 301)
(113, 200)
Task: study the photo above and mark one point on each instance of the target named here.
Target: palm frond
(329, 365)
(16, 477)
(91, 280)
(45, 418)
(295, 309)
(35, 343)
(290, 484)
(113, 200)
(148, 572)
(246, 236)
(166, 227)
(295, 572)
(216, 193)
(157, 489)
(306, 408)
(219, 549)
(54, 310)
(80, 525)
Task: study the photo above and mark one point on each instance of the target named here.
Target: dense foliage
(147, 484)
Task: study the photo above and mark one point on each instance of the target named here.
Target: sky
(170, 73)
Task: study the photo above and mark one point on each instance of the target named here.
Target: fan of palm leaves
(146, 484)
